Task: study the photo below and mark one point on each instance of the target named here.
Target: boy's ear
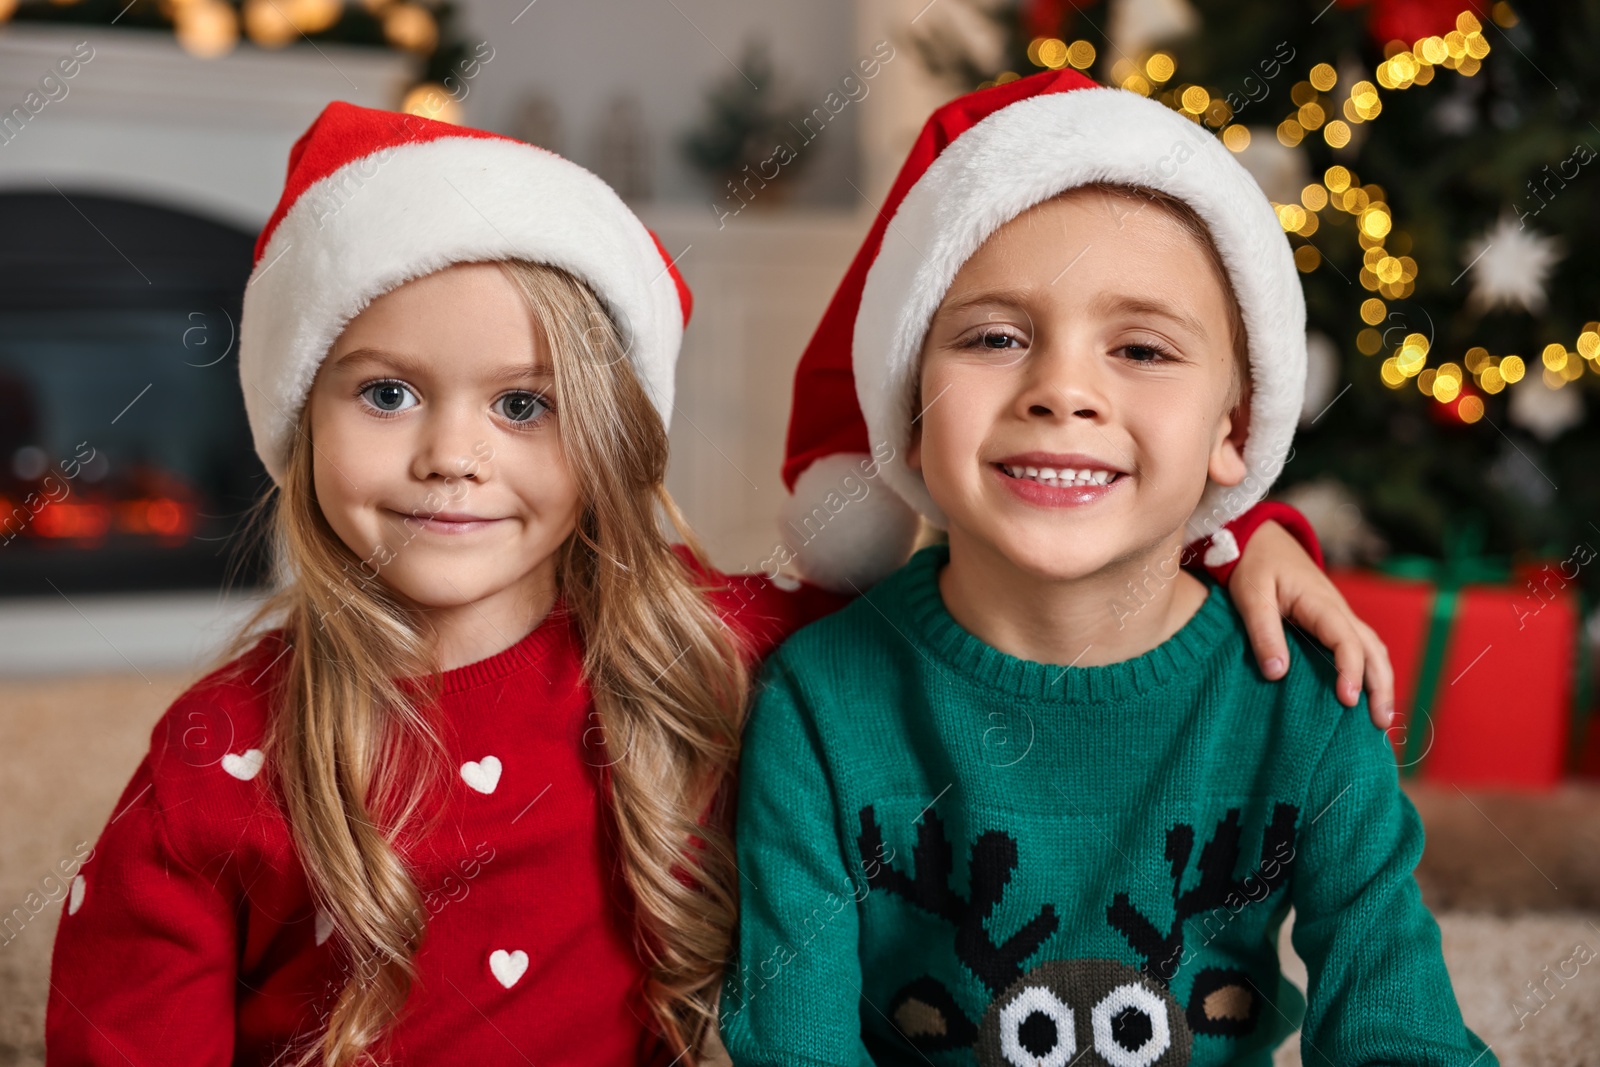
(1227, 466)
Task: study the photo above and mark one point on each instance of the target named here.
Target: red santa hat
(980, 161)
(376, 198)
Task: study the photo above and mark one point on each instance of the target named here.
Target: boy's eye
(389, 396)
(1146, 353)
(522, 407)
(993, 339)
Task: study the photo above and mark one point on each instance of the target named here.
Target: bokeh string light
(1388, 269)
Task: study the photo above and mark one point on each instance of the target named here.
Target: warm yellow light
(1052, 53)
(1323, 77)
(1475, 358)
(1446, 389)
(1491, 380)
(1512, 369)
(207, 28)
(1336, 133)
(1307, 259)
(1368, 341)
(1470, 409)
(1310, 116)
(1372, 311)
(1555, 356)
(1314, 196)
(1375, 223)
(267, 25)
(1160, 67)
(1236, 138)
(1292, 216)
(1337, 179)
(411, 27)
(1290, 132)
(1589, 344)
(1081, 55)
(1390, 373)
(432, 101)
(1195, 99)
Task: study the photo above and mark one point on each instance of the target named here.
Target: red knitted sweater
(190, 936)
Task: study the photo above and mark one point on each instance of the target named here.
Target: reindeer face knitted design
(374, 199)
(980, 161)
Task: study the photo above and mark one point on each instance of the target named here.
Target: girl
(460, 804)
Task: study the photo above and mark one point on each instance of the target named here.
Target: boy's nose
(1060, 384)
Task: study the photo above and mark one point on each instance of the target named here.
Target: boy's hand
(1276, 578)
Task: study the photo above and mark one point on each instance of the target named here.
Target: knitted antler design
(1219, 858)
(993, 860)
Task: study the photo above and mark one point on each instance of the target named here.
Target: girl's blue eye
(389, 396)
(522, 407)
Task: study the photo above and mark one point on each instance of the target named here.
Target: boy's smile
(1084, 388)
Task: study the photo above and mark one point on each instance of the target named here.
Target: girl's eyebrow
(510, 373)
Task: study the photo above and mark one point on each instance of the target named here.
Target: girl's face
(1076, 383)
(438, 456)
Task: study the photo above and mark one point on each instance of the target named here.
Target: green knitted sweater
(950, 855)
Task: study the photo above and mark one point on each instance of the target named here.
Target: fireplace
(125, 459)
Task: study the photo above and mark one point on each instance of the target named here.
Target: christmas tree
(1434, 177)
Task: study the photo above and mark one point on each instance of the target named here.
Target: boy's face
(1090, 337)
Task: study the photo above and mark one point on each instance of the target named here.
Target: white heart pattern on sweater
(75, 895)
(1224, 549)
(324, 928)
(482, 775)
(508, 967)
(244, 767)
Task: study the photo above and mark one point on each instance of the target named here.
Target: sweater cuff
(1219, 554)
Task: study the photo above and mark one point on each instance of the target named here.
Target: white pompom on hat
(374, 199)
(980, 161)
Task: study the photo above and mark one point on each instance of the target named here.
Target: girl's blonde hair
(355, 752)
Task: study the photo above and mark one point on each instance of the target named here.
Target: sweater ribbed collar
(552, 630)
(929, 623)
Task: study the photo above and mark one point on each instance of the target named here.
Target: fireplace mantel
(144, 119)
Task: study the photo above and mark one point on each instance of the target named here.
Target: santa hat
(376, 198)
(980, 161)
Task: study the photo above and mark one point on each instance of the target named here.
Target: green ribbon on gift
(1463, 564)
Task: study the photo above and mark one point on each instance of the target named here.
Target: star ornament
(1510, 265)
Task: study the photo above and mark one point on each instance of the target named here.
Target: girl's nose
(451, 446)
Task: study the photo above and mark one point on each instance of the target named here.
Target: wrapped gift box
(1485, 673)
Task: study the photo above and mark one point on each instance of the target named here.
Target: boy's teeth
(1063, 477)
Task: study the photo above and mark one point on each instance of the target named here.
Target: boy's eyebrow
(1113, 303)
(511, 373)
(1009, 297)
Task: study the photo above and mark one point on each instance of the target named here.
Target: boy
(1027, 802)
